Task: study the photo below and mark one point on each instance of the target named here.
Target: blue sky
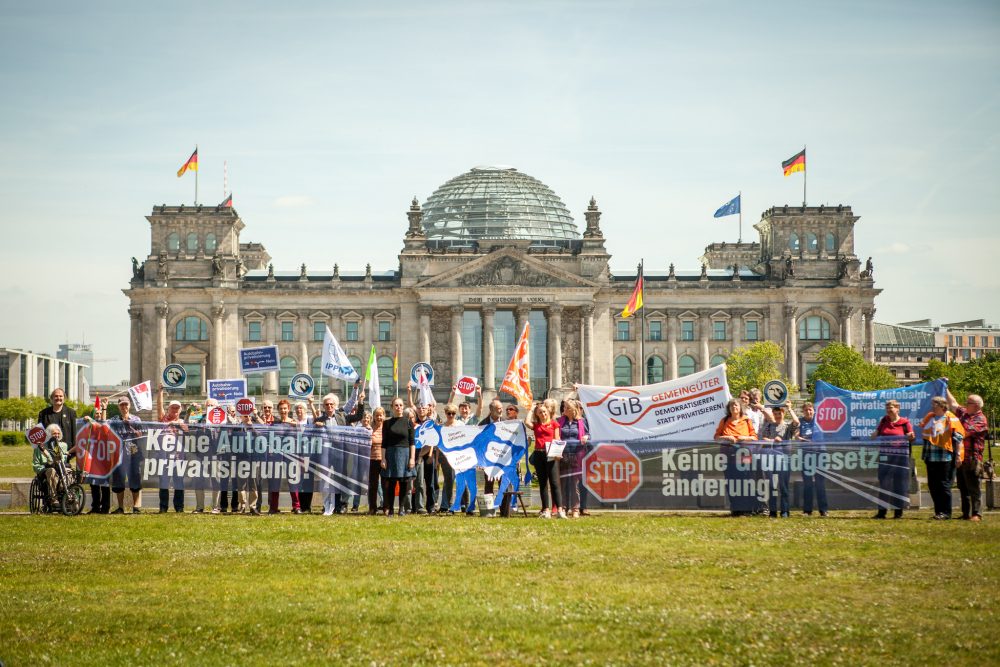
(333, 115)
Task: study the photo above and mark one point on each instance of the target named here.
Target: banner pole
(804, 172)
(196, 178)
(740, 197)
(642, 323)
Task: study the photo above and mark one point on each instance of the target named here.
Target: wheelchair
(69, 491)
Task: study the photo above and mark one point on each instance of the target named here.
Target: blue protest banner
(259, 359)
(227, 391)
(843, 415)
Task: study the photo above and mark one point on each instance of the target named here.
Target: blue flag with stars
(732, 207)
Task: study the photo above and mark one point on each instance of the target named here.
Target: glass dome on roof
(496, 202)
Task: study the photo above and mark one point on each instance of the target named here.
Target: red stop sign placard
(244, 406)
(216, 415)
(613, 473)
(36, 435)
(466, 385)
(831, 414)
(99, 449)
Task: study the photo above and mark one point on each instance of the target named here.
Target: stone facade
(202, 293)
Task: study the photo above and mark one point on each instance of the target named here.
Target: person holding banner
(375, 460)
(896, 434)
(398, 456)
(943, 451)
(976, 430)
(332, 415)
(174, 424)
(100, 487)
(779, 432)
(546, 430)
(814, 484)
(733, 429)
(43, 462)
(130, 470)
(284, 422)
(574, 432)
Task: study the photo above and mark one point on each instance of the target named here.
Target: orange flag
(192, 164)
(517, 380)
(634, 303)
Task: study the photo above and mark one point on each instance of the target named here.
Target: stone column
(869, 314)
(521, 314)
(135, 359)
(588, 344)
(792, 336)
(457, 312)
(672, 344)
(425, 332)
(736, 322)
(218, 313)
(845, 324)
(305, 333)
(704, 328)
(271, 377)
(555, 346)
(162, 310)
(489, 350)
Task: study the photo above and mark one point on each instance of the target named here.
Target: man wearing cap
(171, 418)
(777, 431)
(125, 426)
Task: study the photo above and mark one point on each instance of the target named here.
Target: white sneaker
(327, 512)
(562, 513)
(545, 514)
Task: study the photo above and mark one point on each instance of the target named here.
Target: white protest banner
(142, 395)
(335, 361)
(456, 444)
(688, 408)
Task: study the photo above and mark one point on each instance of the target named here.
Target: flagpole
(740, 197)
(642, 323)
(196, 178)
(805, 170)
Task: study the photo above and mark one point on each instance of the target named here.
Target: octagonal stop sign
(613, 473)
(831, 414)
(99, 449)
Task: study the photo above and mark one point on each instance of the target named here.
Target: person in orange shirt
(737, 427)
(943, 451)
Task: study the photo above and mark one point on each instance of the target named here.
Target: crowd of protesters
(406, 479)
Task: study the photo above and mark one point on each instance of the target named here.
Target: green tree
(843, 366)
(978, 376)
(755, 365)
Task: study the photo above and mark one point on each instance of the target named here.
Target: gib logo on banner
(99, 450)
(686, 409)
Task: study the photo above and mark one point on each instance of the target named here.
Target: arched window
(717, 360)
(316, 371)
(385, 383)
(812, 245)
(685, 365)
(793, 242)
(623, 371)
(210, 243)
(288, 370)
(173, 242)
(831, 242)
(814, 327)
(191, 328)
(192, 242)
(654, 370)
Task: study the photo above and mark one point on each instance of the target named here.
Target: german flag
(635, 303)
(192, 164)
(227, 202)
(795, 163)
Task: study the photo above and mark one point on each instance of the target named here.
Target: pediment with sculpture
(509, 269)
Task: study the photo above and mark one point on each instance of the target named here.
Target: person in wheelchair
(43, 461)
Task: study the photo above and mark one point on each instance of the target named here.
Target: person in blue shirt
(813, 482)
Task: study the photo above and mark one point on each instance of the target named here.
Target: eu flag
(732, 207)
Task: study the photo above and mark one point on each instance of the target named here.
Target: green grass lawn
(609, 589)
(15, 461)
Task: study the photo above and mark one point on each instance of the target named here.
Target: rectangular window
(996, 341)
(384, 330)
(253, 332)
(959, 341)
(623, 331)
(752, 332)
(718, 330)
(656, 331)
(193, 387)
(319, 330)
(984, 341)
(687, 330)
(352, 331)
(951, 341)
(811, 367)
(966, 354)
(287, 331)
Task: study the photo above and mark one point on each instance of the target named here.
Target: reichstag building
(487, 251)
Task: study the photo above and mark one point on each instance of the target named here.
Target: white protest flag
(371, 376)
(142, 395)
(335, 361)
(689, 408)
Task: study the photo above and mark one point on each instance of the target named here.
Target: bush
(9, 438)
